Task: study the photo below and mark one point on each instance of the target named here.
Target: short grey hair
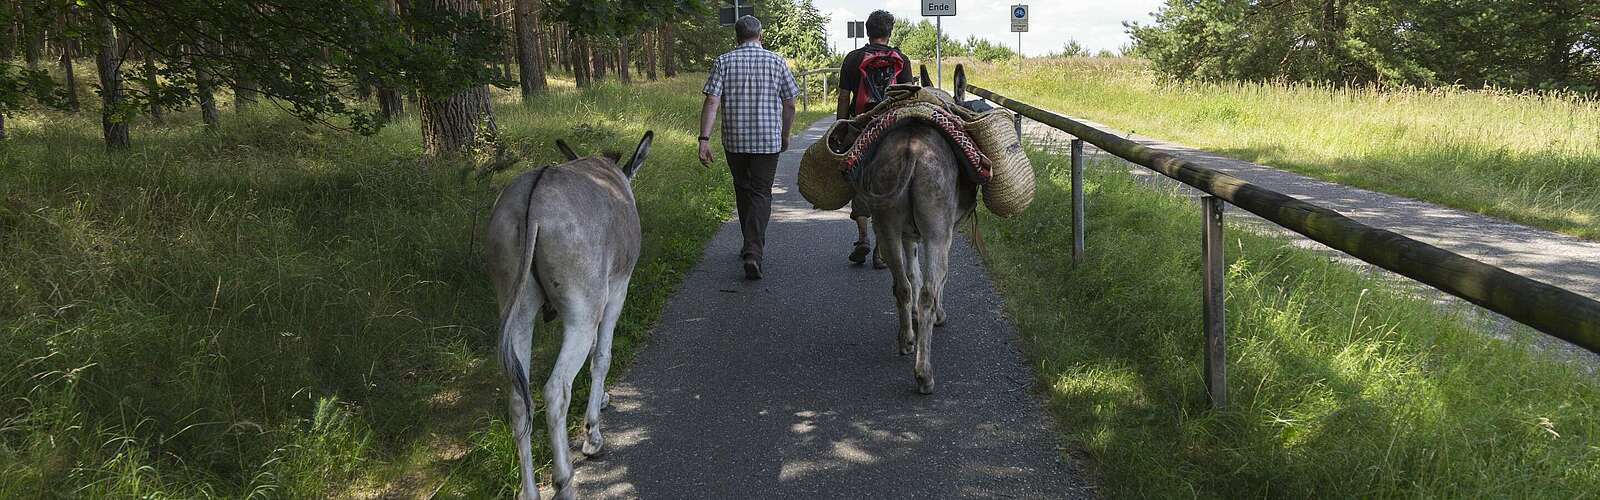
(747, 28)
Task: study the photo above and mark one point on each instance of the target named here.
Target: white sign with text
(938, 8)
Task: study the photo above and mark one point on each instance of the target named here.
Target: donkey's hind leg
(599, 366)
(579, 321)
(893, 244)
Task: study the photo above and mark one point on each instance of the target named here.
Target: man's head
(747, 28)
(880, 24)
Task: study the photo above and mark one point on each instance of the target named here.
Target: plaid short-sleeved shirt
(753, 83)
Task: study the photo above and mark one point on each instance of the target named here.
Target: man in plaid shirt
(758, 91)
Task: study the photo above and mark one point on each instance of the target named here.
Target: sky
(1096, 24)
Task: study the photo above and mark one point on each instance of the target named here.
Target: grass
(281, 310)
(1341, 384)
(1531, 158)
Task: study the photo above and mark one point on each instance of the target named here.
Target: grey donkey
(914, 187)
(563, 240)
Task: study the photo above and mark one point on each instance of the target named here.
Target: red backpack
(879, 69)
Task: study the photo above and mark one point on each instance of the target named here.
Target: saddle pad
(976, 165)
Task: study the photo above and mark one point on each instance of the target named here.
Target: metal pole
(1215, 326)
(938, 59)
(1019, 51)
(1077, 201)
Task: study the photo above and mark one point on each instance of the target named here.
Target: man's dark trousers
(752, 188)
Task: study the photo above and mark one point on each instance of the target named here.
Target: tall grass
(1342, 385)
(1533, 158)
(282, 310)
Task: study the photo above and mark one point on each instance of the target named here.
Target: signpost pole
(938, 59)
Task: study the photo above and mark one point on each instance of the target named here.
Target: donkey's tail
(515, 371)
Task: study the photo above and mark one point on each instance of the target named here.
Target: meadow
(1533, 158)
(1342, 383)
(277, 309)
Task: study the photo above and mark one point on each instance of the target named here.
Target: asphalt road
(790, 387)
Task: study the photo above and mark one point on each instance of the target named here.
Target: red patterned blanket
(950, 125)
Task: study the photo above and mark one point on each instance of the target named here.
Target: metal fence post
(1215, 326)
(1077, 201)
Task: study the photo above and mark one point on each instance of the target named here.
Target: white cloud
(1096, 25)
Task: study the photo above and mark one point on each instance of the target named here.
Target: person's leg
(863, 246)
(763, 168)
(739, 166)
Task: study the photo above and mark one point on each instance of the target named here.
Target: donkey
(916, 192)
(563, 240)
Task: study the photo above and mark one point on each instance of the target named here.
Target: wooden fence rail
(1555, 311)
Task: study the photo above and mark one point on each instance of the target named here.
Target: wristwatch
(704, 138)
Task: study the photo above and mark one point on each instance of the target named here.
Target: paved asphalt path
(790, 387)
(1553, 258)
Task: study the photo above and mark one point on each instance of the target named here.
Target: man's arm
(708, 115)
(788, 121)
(844, 105)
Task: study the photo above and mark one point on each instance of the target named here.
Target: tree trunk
(597, 53)
(564, 48)
(244, 92)
(670, 62)
(114, 127)
(650, 55)
(33, 37)
(451, 123)
(151, 84)
(530, 53)
(208, 98)
(8, 33)
(578, 49)
(68, 51)
(390, 101)
(622, 61)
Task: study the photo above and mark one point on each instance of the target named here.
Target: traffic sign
(1019, 18)
(855, 29)
(730, 13)
(938, 8)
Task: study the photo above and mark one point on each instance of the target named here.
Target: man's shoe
(859, 255)
(877, 261)
(752, 269)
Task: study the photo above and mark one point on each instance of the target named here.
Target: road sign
(856, 29)
(938, 8)
(1019, 18)
(728, 15)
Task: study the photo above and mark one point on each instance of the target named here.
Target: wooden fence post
(1215, 326)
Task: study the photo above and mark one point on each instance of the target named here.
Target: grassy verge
(281, 310)
(1341, 385)
(1530, 158)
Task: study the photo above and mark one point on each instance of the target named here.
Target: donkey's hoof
(595, 445)
(925, 385)
(593, 448)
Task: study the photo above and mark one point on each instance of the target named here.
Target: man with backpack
(864, 79)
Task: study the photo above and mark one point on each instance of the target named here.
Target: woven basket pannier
(1010, 188)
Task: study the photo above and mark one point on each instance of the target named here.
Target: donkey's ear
(566, 150)
(638, 155)
(926, 82)
(960, 82)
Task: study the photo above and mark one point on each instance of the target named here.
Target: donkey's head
(629, 168)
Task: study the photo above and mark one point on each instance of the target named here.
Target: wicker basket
(820, 178)
(1010, 188)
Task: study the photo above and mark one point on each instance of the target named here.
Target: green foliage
(987, 51)
(279, 310)
(1342, 384)
(1480, 43)
(917, 40)
(795, 30)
